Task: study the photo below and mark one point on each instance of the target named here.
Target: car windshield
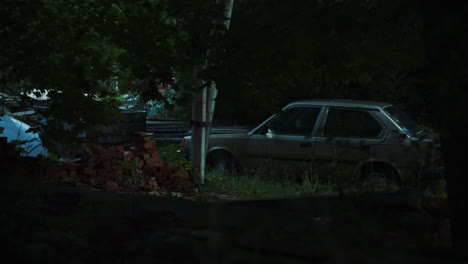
(407, 124)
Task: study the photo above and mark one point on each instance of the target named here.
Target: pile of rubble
(9, 102)
(136, 168)
(15, 105)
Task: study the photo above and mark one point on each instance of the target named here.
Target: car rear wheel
(222, 162)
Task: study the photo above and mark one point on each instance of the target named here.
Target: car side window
(351, 124)
(295, 121)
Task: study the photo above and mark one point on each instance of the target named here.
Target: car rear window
(344, 123)
(409, 126)
(295, 121)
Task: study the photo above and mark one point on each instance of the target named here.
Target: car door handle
(305, 145)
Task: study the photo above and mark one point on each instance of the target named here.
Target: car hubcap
(221, 167)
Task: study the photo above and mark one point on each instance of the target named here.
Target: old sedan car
(374, 140)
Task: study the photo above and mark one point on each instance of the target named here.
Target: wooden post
(203, 111)
(198, 133)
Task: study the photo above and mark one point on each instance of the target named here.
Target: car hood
(428, 135)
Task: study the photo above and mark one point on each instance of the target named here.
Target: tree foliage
(278, 51)
(75, 48)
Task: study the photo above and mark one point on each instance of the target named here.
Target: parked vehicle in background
(375, 140)
(29, 143)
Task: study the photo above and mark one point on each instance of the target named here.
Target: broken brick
(150, 186)
(138, 161)
(107, 175)
(87, 171)
(153, 183)
(152, 171)
(118, 155)
(146, 146)
(140, 134)
(54, 173)
(155, 155)
(128, 155)
(149, 162)
(119, 149)
(107, 156)
(146, 156)
(69, 166)
(106, 164)
(92, 163)
(111, 186)
(72, 174)
(162, 179)
(168, 168)
(139, 153)
(100, 180)
(154, 161)
(143, 140)
(100, 150)
(180, 175)
(43, 163)
(158, 164)
(111, 149)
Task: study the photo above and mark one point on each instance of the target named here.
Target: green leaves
(316, 49)
(171, 153)
(81, 50)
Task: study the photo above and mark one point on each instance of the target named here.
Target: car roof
(339, 102)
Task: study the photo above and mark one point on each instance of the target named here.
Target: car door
(346, 138)
(284, 144)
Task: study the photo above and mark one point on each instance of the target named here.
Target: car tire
(222, 162)
(380, 179)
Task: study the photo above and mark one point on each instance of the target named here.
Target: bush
(171, 153)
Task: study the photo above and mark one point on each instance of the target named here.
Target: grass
(251, 185)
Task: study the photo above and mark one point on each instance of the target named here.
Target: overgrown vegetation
(251, 184)
(165, 107)
(171, 153)
(330, 179)
(80, 52)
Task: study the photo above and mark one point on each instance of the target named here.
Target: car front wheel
(380, 179)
